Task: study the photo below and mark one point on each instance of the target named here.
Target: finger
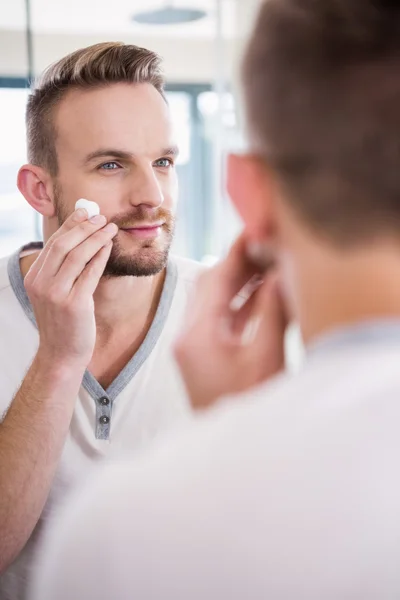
(87, 283)
(241, 318)
(221, 284)
(246, 292)
(272, 323)
(61, 246)
(76, 261)
(244, 307)
(79, 216)
(235, 271)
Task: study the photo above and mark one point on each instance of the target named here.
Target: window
(18, 222)
(195, 172)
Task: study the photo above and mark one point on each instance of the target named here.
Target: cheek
(95, 189)
(107, 192)
(287, 274)
(170, 189)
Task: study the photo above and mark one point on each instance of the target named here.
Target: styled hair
(88, 68)
(322, 89)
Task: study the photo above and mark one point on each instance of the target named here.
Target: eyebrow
(122, 155)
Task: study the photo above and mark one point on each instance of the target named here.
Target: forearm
(32, 437)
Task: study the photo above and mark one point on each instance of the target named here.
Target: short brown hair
(322, 88)
(91, 67)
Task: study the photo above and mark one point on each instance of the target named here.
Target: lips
(144, 230)
(143, 226)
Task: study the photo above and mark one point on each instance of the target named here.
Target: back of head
(322, 88)
(92, 67)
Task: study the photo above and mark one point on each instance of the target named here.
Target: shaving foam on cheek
(91, 208)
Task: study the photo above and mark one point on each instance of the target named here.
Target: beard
(148, 257)
(151, 256)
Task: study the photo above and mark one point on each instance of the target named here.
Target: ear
(250, 187)
(36, 185)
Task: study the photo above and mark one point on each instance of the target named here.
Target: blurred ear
(36, 185)
(250, 187)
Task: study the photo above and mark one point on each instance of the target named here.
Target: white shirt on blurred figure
(290, 492)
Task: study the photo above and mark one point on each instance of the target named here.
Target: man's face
(115, 147)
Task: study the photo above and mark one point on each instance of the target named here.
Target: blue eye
(109, 166)
(164, 163)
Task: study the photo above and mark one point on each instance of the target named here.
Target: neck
(338, 289)
(122, 300)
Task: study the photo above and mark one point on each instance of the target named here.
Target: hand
(214, 357)
(61, 283)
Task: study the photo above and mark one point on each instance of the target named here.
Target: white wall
(185, 60)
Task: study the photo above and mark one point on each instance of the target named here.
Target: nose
(145, 188)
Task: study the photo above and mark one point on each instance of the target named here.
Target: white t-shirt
(145, 399)
(290, 492)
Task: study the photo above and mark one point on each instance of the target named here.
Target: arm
(31, 441)
(60, 285)
(216, 355)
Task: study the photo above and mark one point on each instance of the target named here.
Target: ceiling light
(169, 15)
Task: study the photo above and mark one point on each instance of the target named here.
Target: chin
(144, 262)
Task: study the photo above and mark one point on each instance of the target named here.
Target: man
(89, 334)
(292, 489)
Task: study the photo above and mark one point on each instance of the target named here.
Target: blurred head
(322, 93)
(99, 128)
